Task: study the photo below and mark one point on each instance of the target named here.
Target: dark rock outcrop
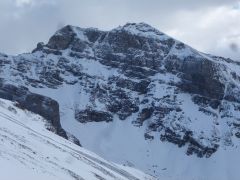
(62, 39)
(36, 103)
(199, 76)
(90, 115)
(145, 114)
(193, 145)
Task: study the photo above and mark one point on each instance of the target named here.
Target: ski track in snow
(32, 152)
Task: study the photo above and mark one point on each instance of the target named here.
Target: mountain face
(29, 151)
(134, 95)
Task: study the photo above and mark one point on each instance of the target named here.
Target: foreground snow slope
(29, 151)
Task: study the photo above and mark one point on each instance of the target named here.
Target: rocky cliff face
(136, 72)
(36, 103)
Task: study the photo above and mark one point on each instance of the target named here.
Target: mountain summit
(136, 96)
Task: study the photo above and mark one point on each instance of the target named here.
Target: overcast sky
(211, 26)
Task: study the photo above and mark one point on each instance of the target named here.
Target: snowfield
(132, 95)
(121, 142)
(29, 151)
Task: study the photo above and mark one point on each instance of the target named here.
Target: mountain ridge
(134, 77)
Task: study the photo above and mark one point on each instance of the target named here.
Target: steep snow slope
(124, 143)
(135, 95)
(29, 151)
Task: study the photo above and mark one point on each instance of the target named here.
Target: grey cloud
(234, 47)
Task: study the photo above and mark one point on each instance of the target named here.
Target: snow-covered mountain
(135, 96)
(29, 151)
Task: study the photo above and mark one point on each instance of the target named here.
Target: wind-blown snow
(29, 151)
